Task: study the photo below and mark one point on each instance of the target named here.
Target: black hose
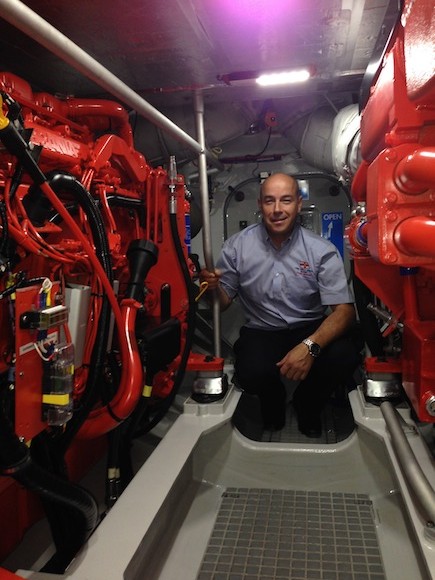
(16, 462)
(68, 183)
(191, 315)
(72, 499)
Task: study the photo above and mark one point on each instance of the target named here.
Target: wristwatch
(313, 348)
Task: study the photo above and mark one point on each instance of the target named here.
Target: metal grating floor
(268, 534)
(337, 423)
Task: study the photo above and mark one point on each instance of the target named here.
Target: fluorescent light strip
(283, 78)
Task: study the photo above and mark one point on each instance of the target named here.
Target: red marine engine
(95, 303)
(393, 233)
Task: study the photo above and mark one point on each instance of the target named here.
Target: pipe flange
(430, 406)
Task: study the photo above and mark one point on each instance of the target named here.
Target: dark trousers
(258, 351)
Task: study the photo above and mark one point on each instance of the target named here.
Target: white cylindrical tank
(346, 142)
(328, 140)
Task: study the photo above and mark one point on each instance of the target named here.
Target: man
(287, 278)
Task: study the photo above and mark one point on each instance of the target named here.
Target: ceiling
(163, 49)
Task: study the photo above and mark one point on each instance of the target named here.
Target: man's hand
(296, 364)
(212, 278)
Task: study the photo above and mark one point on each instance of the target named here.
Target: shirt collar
(266, 237)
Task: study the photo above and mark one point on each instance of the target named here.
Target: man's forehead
(280, 185)
(280, 191)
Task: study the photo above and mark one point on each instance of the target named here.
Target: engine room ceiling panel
(164, 49)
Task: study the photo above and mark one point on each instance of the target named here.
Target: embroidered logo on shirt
(304, 269)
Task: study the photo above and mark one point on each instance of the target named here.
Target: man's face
(280, 204)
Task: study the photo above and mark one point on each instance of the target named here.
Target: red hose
(105, 419)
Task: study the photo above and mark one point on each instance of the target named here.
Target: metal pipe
(205, 211)
(26, 20)
(415, 236)
(410, 467)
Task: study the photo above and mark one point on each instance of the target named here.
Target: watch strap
(313, 348)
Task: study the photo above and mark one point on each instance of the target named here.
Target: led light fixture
(283, 78)
(267, 79)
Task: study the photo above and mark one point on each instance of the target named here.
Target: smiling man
(298, 307)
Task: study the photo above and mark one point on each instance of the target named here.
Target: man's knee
(254, 378)
(246, 380)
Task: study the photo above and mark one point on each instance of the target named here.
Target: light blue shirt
(282, 287)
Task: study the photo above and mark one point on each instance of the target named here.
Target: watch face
(315, 349)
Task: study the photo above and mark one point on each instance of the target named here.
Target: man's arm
(335, 325)
(297, 362)
(212, 279)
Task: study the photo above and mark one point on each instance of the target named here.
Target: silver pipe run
(410, 467)
(205, 212)
(26, 20)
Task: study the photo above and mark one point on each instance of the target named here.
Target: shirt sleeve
(227, 264)
(333, 286)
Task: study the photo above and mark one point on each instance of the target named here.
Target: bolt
(391, 198)
(390, 155)
(390, 258)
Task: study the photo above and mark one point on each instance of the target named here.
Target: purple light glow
(260, 9)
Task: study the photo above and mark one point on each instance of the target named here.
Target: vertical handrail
(205, 211)
(411, 469)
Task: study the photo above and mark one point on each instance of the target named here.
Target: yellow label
(56, 399)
